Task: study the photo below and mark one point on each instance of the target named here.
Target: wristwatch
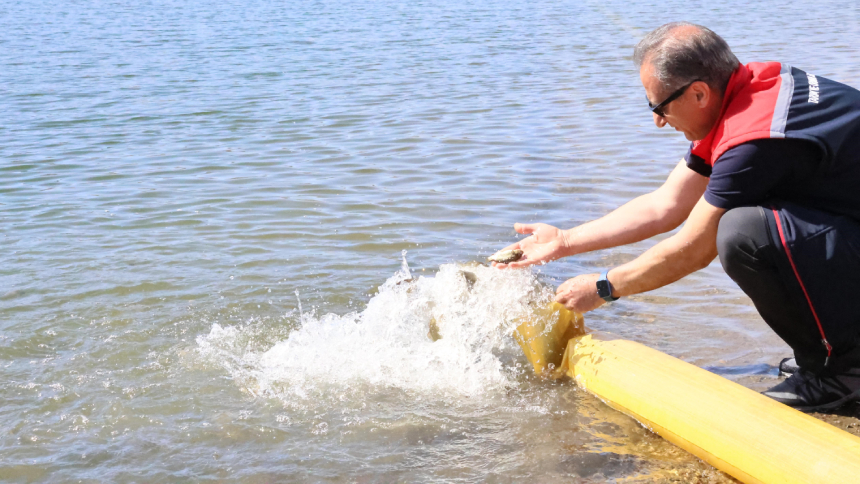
(604, 287)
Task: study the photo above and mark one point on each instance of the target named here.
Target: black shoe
(788, 367)
(809, 392)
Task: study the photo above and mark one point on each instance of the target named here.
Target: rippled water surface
(204, 207)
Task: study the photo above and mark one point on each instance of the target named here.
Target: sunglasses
(658, 109)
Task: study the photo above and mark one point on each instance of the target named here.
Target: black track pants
(801, 268)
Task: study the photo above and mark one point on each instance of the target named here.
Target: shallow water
(200, 201)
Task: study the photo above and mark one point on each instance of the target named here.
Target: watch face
(603, 288)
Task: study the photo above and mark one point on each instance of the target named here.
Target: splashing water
(404, 266)
(299, 302)
(388, 345)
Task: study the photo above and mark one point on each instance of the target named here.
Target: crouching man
(771, 183)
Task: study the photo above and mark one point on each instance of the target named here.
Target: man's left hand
(580, 293)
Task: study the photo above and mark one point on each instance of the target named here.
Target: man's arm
(691, 249)
(643, 217)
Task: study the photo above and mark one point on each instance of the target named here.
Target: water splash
(404, 267)
(388, 345)
(299, 302)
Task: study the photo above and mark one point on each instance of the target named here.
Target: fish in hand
(506, 256)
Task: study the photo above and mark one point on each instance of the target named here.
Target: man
(771, 183)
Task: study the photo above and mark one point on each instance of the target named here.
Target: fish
(433, 326)
(470, 278)
(506, 256)
(433, 330)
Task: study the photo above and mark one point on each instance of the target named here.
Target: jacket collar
(740, 79)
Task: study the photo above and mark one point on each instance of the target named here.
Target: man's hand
(547, 243)
(580, 293)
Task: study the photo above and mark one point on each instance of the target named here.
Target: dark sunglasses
(658, 109)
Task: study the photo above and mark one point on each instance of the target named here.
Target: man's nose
(660, 121)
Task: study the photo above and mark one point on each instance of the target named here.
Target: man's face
(693, 113)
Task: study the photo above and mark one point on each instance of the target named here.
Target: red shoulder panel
(747, 112)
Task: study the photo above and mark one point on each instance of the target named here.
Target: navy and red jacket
(773, 100)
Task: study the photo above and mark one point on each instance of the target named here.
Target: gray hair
(681, 59)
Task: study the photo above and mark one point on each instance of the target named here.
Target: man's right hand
(546, 243)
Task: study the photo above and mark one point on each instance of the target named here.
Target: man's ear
(702, 93)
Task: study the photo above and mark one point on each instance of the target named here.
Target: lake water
(201, 203)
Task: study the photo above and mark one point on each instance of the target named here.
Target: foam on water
(388, 345)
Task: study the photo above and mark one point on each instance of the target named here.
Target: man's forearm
(643, 217)
(663, 264)
(691, 249)
(638, 219)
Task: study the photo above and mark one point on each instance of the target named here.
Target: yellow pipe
(733, 428)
